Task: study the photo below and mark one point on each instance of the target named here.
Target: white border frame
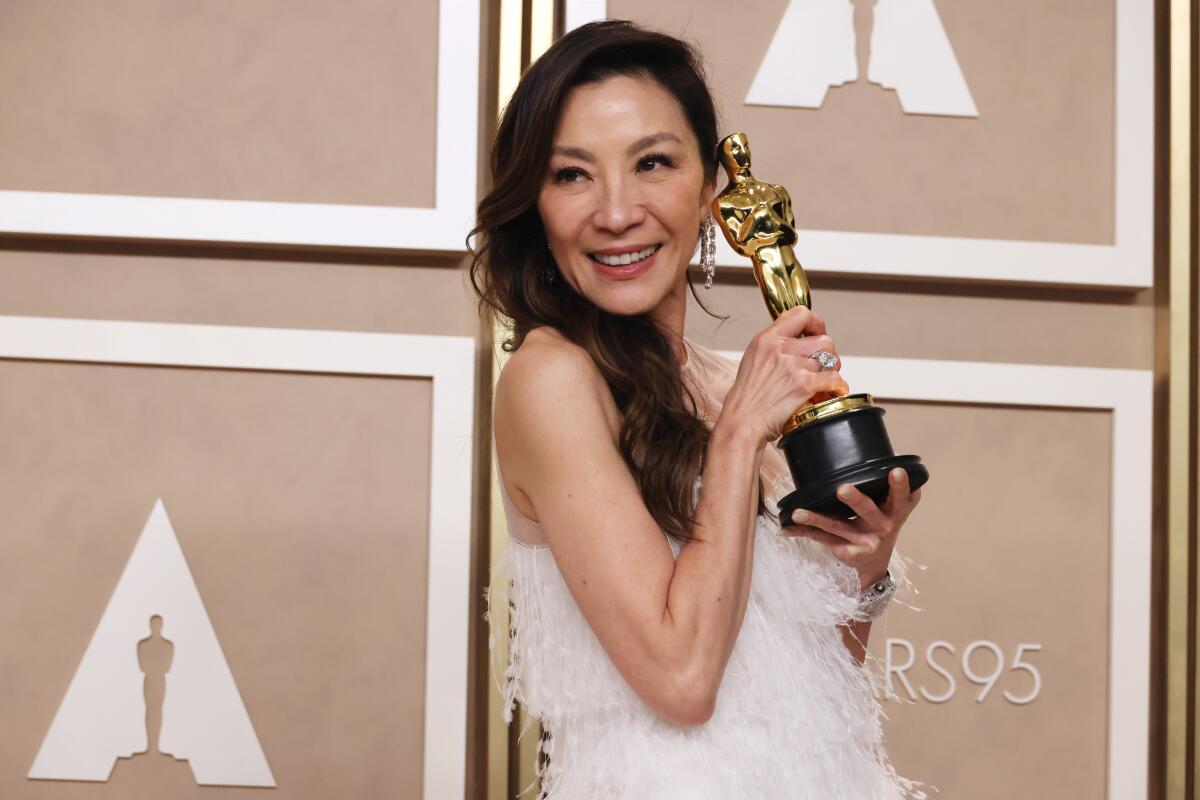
(1128, 395)
(448, 360)
(443, 227)
(1128, 263)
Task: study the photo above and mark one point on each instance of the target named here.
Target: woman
(673, 641)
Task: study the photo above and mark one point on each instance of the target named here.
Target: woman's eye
(567, 175)
(648, 163)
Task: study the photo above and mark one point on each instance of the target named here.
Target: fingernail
(844, 492)
(897, 474)
(801, 516)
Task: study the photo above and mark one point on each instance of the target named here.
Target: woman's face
(624, 196)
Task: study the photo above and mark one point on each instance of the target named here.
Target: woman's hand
(865, 542)
(777, 375)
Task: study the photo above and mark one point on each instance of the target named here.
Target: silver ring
(826, 359)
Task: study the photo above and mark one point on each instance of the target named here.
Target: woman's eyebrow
(652, 139)
(640, 144)
(574, 152)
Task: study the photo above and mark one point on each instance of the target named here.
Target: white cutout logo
(103, 715)
(816, 46)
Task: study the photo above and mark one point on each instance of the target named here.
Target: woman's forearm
(707, 596)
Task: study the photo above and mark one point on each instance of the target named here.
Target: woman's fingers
(803, 518)
(798, 321)
(817, 535)
(808, 345)
(863, 542)
(898, 493)
(861, 545)
(865, 508)
(777, 374)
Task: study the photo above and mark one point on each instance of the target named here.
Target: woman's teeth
(625, 258)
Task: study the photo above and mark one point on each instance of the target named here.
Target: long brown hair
(661, 438)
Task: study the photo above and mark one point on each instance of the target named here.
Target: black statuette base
(851, 447)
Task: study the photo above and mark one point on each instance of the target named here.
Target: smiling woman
(619, 209)
(672, 639)
(605, 151)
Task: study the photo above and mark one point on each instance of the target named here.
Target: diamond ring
(826, 359)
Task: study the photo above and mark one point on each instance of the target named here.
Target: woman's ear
(707, 192)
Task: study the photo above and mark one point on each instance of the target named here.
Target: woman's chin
(628, 302)
(629, 298)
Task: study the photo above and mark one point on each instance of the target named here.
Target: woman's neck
(670, 315)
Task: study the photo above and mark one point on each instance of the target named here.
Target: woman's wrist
(736, 431)
(870, 577)
(874, 598)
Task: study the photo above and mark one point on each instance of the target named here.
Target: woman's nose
(621, 207)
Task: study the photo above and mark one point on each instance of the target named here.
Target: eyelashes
(566, 172)
(572, 174)
(662, 158)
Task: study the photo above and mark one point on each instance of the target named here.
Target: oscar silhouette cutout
(855, 52)
(864, 23)
(152, 769)
(154, 659)
(861, 91)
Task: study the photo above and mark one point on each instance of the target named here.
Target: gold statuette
(758, 223)
(832, 439)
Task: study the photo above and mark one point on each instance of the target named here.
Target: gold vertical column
(510, 58)
(541, 36)
(1183, 480)
(527, 29)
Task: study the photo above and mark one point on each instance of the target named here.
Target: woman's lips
(626, 272)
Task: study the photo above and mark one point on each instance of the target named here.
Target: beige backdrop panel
(267, 290)
(1014, 532)
(1037, 164)
(287, 100)
(300, 502)
(920, 320)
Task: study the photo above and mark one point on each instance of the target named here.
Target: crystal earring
(708, 250)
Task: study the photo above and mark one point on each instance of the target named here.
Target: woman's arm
(668, 624)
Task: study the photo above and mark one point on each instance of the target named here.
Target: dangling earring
(708, 250)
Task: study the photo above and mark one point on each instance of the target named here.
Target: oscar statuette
(831, 440)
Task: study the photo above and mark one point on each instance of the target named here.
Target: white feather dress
(796, 717)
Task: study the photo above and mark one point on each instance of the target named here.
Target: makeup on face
(624, 263)
(621, 202)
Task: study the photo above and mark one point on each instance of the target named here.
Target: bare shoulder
(545, 373)
(551, 404)
(547, 349)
